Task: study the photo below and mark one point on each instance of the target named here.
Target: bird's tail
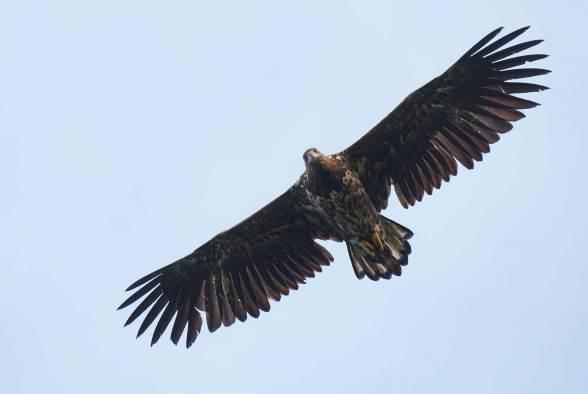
(382, 265)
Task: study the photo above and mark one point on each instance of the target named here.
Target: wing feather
(456, 116)
(236, 273)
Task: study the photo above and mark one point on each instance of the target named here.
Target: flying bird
(453, 118)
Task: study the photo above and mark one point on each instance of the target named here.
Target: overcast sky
(133, 131)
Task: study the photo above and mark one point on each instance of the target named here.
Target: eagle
(414, 149)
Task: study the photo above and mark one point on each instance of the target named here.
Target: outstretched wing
(456, 116)
(235, 273)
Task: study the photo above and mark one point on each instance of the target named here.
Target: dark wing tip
(164, 291)
(487, 38)
(523, 29)
(488, 49)
(146, 278)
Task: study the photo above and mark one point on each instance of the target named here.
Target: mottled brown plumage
(453, 118)
(456, 116)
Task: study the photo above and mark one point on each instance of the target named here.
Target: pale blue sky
(133, 131)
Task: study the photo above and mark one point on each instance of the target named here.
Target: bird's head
(311, 154)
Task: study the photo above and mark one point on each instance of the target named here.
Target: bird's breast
(336, 191)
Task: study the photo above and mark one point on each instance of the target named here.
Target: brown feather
(225, 295)
(194, 327)
(284, 275)
(510, 101)
(500, 126)
(213, 311)
(276, 280)
(247, 299)
(270, 288)
(238, 307)
(286, 268)
(427, 175)
(200, 297)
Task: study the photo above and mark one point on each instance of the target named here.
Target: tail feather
(386, 264)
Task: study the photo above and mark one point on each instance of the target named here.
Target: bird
(452, 119)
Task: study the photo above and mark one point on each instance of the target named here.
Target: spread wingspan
(456, 116)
